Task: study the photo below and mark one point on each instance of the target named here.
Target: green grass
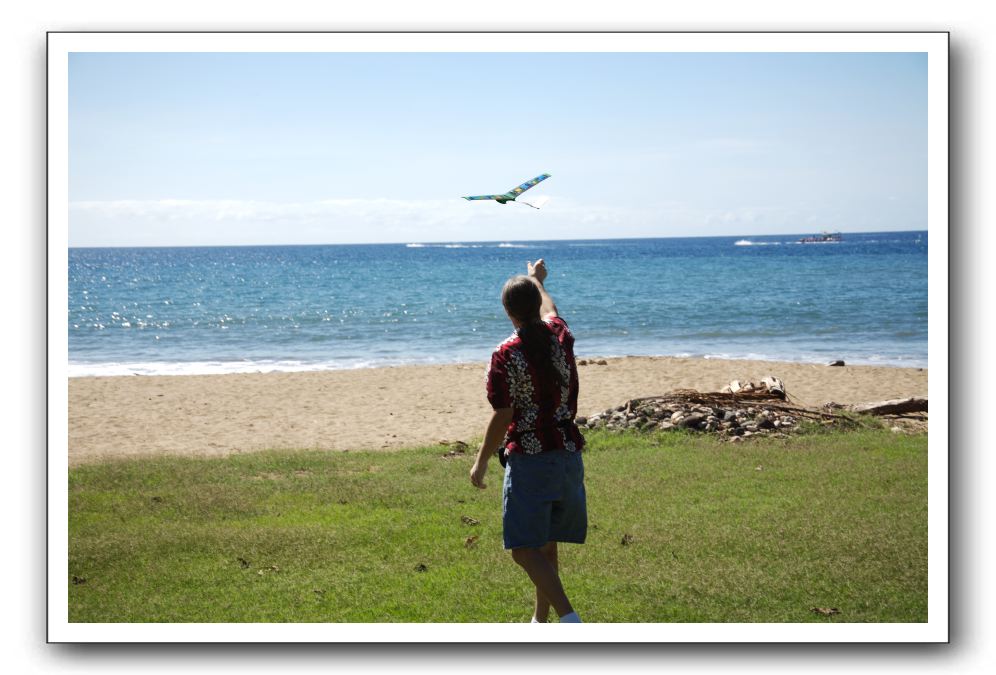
(760, 531)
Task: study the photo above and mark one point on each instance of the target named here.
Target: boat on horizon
(822, 238)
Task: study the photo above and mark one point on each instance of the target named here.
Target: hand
(477, 473)
(537, 270)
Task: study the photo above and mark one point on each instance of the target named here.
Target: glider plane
(514, 192)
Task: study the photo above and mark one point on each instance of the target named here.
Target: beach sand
(385, 408)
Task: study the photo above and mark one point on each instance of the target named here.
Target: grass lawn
(760, 531)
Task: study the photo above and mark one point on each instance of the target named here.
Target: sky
(190, 149)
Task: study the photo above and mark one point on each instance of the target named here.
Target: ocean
(160, 311)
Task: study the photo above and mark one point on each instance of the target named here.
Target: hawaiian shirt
(542, 420)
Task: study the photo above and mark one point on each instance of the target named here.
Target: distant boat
(822, 238)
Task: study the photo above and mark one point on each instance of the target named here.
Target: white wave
(748, 242)
(111, 369)
(443, 246)
(151, 368)
(507, 245)
(895, 361)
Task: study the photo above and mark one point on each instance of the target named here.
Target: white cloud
(219, 222)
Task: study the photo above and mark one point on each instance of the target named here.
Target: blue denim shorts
(544, 499)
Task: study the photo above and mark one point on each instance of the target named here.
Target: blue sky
(216, 149)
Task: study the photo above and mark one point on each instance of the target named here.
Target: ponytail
(538, 345)
(522, 300)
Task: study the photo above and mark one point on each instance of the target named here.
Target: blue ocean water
(247, 309)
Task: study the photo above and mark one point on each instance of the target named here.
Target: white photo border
(934, 44)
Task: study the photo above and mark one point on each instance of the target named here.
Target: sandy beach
(388, 408)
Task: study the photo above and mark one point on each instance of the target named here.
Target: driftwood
(770, 387)
(775, 386)
(900, 406)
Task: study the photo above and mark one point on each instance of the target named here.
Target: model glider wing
(516, 191)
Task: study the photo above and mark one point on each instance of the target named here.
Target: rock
(677, 415)
(665, 426)
(692, 421)
(836, 363)
(601, 362)
(580, 421)
(736, 439)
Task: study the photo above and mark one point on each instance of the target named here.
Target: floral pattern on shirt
(537, 425)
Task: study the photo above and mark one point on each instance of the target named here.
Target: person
(532, 385)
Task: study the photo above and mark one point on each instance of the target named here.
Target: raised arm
(537, 272)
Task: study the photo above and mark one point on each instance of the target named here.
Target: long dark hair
(522, 301)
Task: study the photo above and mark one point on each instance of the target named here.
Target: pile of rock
(740, 410)
(731, 418)
(743, 409)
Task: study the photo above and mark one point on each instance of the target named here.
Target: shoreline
(394, 407)
(188, 368)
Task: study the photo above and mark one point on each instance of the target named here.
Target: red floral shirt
(539, 423)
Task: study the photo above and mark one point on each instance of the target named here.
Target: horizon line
(493, 241)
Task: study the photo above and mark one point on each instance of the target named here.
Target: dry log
(894, 407)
